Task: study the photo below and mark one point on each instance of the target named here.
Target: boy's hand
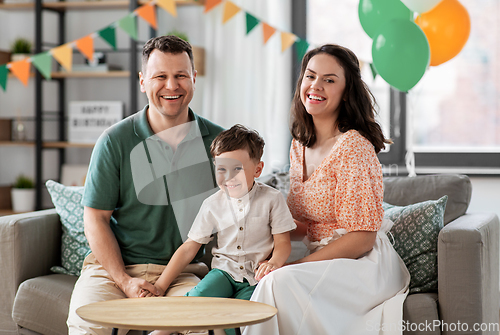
(146, 294)
(265, 268)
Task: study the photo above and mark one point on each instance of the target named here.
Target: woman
(352, 282)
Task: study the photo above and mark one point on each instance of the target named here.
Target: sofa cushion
(402, 191)
(74, 248)
(415, 233)
(41, 299)
(419, 310)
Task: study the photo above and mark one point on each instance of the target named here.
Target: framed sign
(88, 119)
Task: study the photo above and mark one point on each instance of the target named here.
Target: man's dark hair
(238, 137)
(170, 43)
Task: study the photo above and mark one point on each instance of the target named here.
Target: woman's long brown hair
(357, 108)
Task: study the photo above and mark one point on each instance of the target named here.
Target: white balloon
(421, 6)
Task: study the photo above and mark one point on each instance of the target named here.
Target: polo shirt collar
(143, 130)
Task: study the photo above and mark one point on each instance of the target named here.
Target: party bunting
(64, 55)
(268, 31)
(43, 62)
(210, 4)
(287, 40)
(129, 25)
(86, 46)
(230, 10)
(301, 47)
(147, 13)
(21, 69)
(252, 21)
(109, 35)
(168, 5)
(3, 76)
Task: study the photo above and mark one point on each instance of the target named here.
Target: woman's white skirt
(337, 297)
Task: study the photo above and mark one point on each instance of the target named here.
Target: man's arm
(181, 258)
(281, 252)
(105, 248)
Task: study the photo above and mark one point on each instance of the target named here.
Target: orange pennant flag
(230, 10)
(268, 31)
(210, 4)
(168, 5)
(148, 13)
(64, 56)
(86, 46)
(21, 69)
(287, 40)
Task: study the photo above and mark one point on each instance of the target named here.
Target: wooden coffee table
(176, 313)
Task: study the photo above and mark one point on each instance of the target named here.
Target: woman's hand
(299, 233)
(146, 294)
(264, 269)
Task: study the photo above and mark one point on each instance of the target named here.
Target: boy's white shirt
(244, 228)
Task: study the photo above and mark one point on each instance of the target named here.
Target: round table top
(176, 313)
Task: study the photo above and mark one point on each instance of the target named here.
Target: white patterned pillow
(415, 232)
(74, 248)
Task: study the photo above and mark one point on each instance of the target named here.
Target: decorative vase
(23, 199)
(18, 57)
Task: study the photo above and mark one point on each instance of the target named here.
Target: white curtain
(248, 82)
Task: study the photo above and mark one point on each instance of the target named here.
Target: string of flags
(63, 54)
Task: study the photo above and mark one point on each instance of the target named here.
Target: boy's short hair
(238, 137)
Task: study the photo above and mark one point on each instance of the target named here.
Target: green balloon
(401, 53)
(375, 13)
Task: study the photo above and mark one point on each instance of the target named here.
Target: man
(146, 175)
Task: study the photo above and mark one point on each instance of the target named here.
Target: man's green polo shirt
(146, 232)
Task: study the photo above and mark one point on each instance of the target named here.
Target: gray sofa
(35, 301)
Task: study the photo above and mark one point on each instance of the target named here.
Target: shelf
(109, 74)
(106, 4)
(51, 144)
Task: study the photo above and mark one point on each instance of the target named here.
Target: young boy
(251, 219)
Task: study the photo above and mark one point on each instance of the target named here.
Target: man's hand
(265, 268)
(133, 287)
(147, 294)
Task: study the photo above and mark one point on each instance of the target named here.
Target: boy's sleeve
(280, 217)
(203, 226)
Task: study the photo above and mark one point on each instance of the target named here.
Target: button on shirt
(244, 228)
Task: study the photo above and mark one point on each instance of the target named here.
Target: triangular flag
(374, 71)
(168, 5)
(43, 62)
(129, 25)
(86, 46)
(287, 40)
(64, 55)
(148, 13)
(268, 31)
(109, 35)
(301, 47)
(21, 69)
(3, 76)
(252, 21)
(209, 4)
(230, 10)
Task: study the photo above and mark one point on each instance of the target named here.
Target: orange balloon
(447, 28)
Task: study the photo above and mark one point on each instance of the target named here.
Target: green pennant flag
(374, 71)
(3, 76)
(252, 21)
(43, 62)
(109, 35)
(129, 25)
(301, 47)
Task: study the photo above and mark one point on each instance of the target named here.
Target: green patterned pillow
(415, 232)
(74, 248)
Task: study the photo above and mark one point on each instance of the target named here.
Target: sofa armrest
(30, 244)
(468, 271)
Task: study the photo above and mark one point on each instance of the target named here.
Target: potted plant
(23, 194)
(20, 49)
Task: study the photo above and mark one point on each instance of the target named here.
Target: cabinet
(60, 8)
